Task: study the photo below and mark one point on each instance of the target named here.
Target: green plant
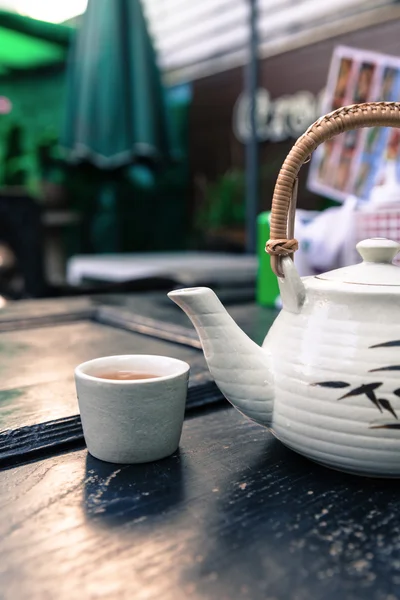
(223, 201)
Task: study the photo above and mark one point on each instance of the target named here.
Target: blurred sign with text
(279, 119)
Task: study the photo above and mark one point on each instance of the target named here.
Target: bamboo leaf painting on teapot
(370, 390)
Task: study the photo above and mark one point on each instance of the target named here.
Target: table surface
(233, 514)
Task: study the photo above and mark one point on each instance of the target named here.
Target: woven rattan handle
(284, 199)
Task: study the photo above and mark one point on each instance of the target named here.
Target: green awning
(27, 43)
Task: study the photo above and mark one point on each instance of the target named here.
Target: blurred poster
(352, 162)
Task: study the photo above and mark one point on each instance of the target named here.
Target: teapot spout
(241, 369)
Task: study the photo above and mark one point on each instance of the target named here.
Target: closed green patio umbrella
(115, 113)
(115, 103)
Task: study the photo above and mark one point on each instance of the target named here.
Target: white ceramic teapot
(327, 378)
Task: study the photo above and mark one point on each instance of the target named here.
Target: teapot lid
(376, 268)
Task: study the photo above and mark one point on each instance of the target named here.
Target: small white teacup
(132, 420)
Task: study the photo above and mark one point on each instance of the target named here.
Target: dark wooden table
(232, 514)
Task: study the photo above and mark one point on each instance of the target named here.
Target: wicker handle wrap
(385, 114)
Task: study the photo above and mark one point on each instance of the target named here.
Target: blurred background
(141, 140)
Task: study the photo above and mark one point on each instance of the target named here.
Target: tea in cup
(132, 406)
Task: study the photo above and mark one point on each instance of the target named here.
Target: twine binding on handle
(346, 118)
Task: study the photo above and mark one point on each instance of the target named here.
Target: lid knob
(378, 250)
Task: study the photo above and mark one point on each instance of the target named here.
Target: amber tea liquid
(126, 375)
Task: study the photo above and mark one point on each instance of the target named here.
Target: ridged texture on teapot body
(337, 380)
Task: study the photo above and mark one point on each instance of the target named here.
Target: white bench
(186, 266)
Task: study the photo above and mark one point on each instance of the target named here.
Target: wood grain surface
(37, 366)
(39, 313)
(38, 354)
(232, 515)
(41, 343)
(34, 442)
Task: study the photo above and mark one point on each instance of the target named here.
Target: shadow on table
(119, 494)
(284, 512)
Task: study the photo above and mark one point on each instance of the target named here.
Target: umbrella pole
(251, 76)
(105, 222)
